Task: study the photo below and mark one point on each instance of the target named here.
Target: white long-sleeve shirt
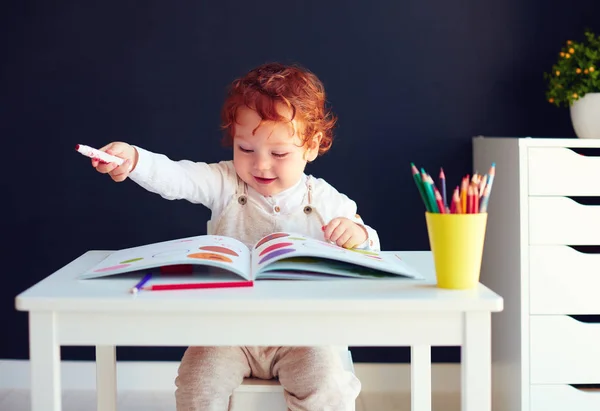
(213, 185)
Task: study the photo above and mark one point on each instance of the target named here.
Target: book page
(294, 252)
(223, 253)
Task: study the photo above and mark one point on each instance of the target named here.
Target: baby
(276, 121)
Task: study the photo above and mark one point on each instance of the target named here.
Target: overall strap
(309, 188)
(241, 191)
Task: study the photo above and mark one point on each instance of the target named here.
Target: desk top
(63, 292)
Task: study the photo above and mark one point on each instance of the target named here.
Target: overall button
(276, 209)
(242, 200)
(307, 210)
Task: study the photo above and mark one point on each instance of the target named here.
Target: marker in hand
(97, 154)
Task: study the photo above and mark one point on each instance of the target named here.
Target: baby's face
(273, 158)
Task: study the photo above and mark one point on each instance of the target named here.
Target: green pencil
(429, 191)
(419, 183)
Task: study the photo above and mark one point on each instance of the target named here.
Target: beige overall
(313, 378)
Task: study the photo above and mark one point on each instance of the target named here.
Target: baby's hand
(345, 233)
(116, 172)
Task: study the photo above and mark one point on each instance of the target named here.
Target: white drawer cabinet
(542, 254)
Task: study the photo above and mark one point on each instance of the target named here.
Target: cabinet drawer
(564, 350)
(561, 171)
(563, 397)
(561, 220)
(563, 281)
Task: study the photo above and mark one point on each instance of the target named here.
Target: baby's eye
(244, 150)
(279, 155)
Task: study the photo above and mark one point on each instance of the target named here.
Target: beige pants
(313, 378)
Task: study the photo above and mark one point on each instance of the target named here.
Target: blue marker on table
(139, 285)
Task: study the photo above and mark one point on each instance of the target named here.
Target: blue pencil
(141, 283)
(443, 184)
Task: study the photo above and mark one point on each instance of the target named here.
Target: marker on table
(100, 155)
(140, 284)
(229, 284)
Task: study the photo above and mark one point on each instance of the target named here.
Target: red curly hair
(295, 87)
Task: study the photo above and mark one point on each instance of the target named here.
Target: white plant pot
(585, 116)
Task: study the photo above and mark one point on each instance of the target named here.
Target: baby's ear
(312, 147)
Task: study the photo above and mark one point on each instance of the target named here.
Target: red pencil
(470, 198)
(164, 287)
(456, 202)
(439, 201)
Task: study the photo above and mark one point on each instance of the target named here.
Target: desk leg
(106, 377)
(420, 376)
(476, 368)
(44, 357)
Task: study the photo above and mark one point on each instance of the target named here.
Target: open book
(276, 256)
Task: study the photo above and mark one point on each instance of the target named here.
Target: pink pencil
(165, 287)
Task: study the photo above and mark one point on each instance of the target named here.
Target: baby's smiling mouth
(262, 180)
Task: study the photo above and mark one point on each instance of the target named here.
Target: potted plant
(575, 83)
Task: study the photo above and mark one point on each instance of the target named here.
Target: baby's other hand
(121, 150)
(345, 232)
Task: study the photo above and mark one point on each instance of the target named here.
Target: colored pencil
(429, 191)
(471, 196)
(463, 194)
(482, 185)
(492, 174)
(456, 201)
(485, 199)
(434, 189)
(443, 187)
(166, 287)
(470, 200)
(419, 183)
(139, 285)
(439, 201)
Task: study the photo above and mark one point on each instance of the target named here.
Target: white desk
(102, 313)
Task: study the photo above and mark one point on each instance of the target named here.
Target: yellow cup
(456, 242)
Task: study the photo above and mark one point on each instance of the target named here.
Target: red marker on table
(229, 284)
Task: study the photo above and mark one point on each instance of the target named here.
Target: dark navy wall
(410, 80)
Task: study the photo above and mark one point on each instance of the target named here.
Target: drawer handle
(585, 201)
(588, 388)
(586, 249)
(586, 318)
(586, 151)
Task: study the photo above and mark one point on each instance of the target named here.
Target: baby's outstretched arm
(197, 182)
